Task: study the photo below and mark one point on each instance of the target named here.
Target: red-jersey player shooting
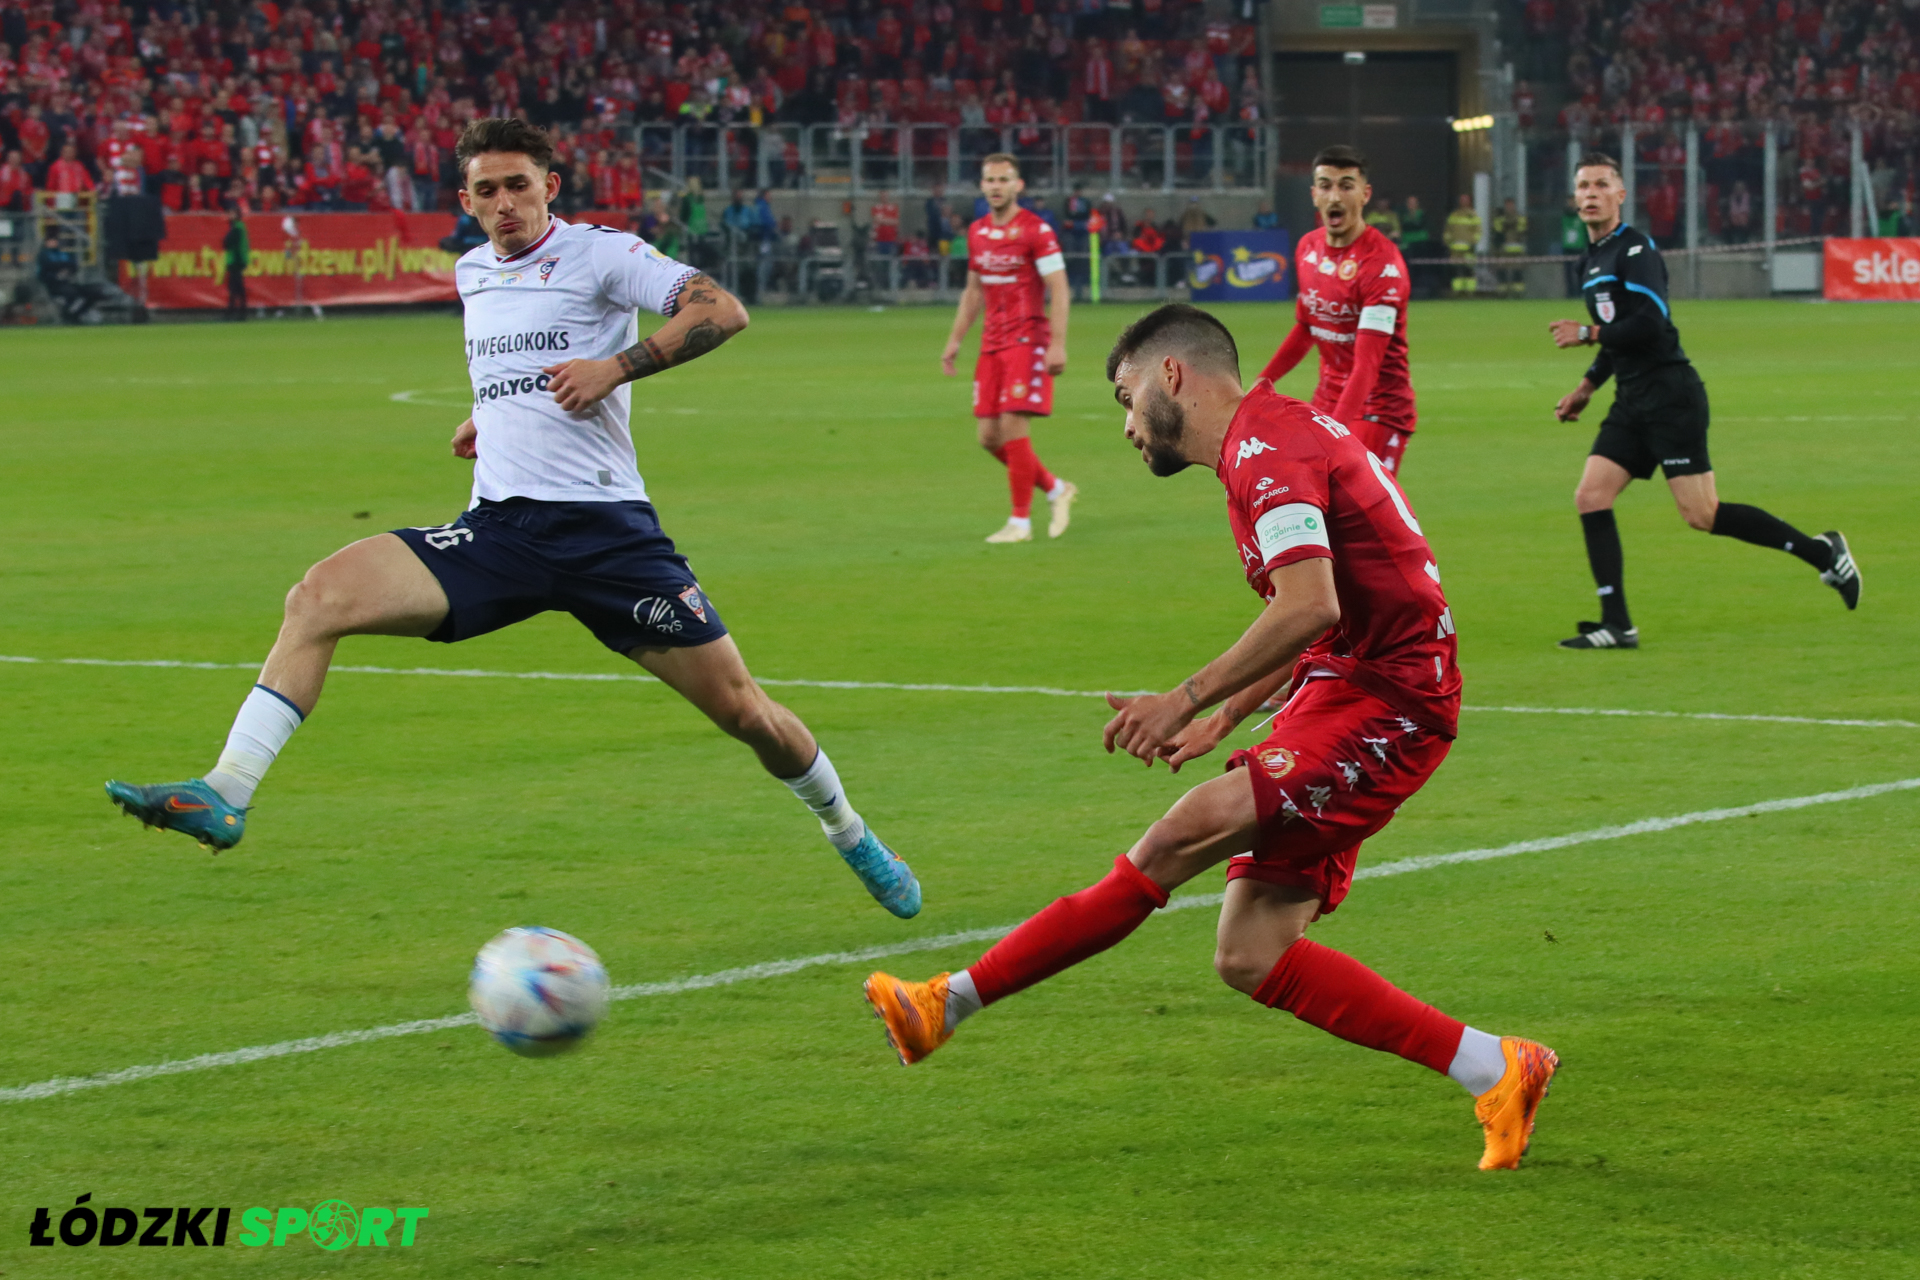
(1353, 306)
(1018, 276)
(1356, 622)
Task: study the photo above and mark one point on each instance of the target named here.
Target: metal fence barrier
(913, 157)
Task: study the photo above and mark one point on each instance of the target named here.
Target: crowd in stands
(356, 104)
(1811, 68)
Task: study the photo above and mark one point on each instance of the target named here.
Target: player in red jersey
(1013, 262)
(1353, 305)
(1355, 620)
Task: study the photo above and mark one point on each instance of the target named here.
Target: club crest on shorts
(1277, 761)
(1603, 307)
(695, 603)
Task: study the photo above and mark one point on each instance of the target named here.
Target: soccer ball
(538, 991)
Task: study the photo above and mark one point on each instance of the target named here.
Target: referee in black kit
(1659, 414)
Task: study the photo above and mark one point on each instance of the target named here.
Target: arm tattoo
(646, 357)
(1186, 686)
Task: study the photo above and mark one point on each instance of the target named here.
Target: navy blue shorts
(606, 563)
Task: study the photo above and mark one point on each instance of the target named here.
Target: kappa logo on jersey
(442, 536)
(1351, 771)
(1390, 272)
(1603, 306)
(1277, 761)
(1252, 448)
(692, 599)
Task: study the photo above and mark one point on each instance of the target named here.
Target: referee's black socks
(1751, 524)
(1603, 554)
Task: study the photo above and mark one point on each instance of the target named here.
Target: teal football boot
(192, 808)
(888, 879)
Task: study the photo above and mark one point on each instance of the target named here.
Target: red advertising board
(336, 259)
(1880, 270)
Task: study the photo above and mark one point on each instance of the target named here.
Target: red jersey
(1342, 291)
(1300, 486)
(1010, 261)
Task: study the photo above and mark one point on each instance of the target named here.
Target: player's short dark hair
(1340, 156)
(1001, 157)
(1598, 160)
(1181, 328)
(502, 133)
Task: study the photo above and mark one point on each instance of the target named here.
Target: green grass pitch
(1734, 1001)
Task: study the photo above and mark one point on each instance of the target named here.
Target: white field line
(778, 968)
(618, 677)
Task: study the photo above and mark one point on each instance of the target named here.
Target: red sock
(999, 453)
(1043, 479)
(1021, 464)
(1338, 994)
(1068, 931)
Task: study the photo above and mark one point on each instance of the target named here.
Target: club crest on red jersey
(1348, 268)
(1277, 761)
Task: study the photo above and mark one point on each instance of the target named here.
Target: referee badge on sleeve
(1603, 306)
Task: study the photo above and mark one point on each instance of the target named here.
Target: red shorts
(1337, 765)
(1012, 380)
(1388, 442)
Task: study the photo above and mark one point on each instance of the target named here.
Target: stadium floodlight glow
(1471, 124)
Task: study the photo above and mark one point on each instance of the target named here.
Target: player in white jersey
(560, 517)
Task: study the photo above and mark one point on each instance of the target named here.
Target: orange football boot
(1506, 1111)
(915, 1013)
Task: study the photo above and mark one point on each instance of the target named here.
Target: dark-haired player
(1353, 306)
(1018, 276)
(560, 518)
(1659, 413)
(1356, 620)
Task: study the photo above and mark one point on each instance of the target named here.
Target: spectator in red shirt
(67, 174)
(16, 185)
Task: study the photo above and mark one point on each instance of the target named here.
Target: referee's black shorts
(1660, 422)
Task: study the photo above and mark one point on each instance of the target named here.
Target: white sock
(1059, 487)
(266, 720)
(1023, 523)
(819, 789)
(1479, 1064)
(962, 1000)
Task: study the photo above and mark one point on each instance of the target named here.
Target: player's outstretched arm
(707, 316)
(963, 317)
(1059, 303)
(1304, 605)
(1202, 736)
(1298, 342)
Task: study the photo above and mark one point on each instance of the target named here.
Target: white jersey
(571, 295)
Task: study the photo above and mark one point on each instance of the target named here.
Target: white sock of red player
(963, 1001)
(820, 790)
(1022, 523)
(1059, 487)
(1479, 1064)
